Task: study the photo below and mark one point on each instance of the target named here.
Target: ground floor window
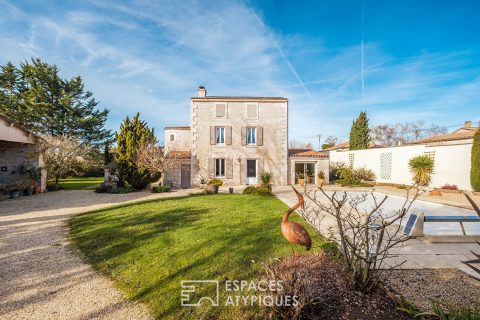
(220, 168)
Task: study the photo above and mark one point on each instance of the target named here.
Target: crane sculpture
(295, 232)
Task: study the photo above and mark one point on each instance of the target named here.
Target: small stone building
(18, 155)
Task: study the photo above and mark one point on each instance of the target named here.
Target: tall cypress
(475, 166)
(134, 133)
(360, 133)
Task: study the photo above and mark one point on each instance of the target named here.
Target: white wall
(452, 163)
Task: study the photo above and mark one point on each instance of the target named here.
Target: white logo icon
(190, 287)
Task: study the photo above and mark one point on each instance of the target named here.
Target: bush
(257, 191)
(209, 190)
(266, 178)
(215, 181)
(54, 187)
(160, 189)
(475, 166)
(347, 177)
(119, 190)
(364, 174)
(104, 188)
(450, 187)
(422, 168)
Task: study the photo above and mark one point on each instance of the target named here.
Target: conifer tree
(360, 133)
(134, 134)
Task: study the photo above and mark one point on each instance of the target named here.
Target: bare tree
(363, 231)
(294, 143)
(154, 159)
(402, 133)
(62, 154)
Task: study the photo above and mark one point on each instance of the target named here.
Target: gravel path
(40, 276)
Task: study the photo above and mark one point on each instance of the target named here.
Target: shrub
(347, 177)
(335, 167)
(422, 168)
(364, 174)
(54, 187)
(104, 188)
(266, 178)
(257, 191)
(450, 187)
(475, 166)
(208, 190)
(215, 181)
(118, 190)
(160, 189)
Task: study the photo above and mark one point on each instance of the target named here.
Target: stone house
(18, 154)
(234, 139)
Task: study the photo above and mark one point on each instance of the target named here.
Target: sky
(421, 59)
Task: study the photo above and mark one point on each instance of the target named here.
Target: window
(221, 110)
(251, 135)
(252, 111)
(220, 168)
(172, 137)
(220, 135)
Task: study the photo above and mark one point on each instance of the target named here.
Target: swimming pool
(429, 208)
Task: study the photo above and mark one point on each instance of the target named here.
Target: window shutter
(228, 135)
(220, 110)
(212, 136)
(229, 165)
(244, 136)
(211, 167)
(259, 136)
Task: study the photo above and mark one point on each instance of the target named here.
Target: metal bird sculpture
(295, 232)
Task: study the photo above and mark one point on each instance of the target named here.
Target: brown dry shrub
(324, 291)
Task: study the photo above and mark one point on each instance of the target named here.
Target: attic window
(172, 137)
(221, 110)
(252, 111)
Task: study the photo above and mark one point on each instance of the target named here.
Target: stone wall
(16, 158)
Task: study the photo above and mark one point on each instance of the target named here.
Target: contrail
(282, 54)
(361, 45)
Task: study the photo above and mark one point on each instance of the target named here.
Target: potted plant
(321, 178)
(266, 179)
(14, 191)
(28, 190)
(301, 178)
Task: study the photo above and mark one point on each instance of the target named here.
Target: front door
(185, 179)
(252, 171)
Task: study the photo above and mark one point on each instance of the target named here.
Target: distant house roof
(346, 145)
(181, 154)
(178, 128)
(464, 133)
(13, 124)
(238, 98)
(301, 152)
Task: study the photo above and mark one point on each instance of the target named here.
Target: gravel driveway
(40, 276)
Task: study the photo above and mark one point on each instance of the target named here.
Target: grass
(81, 183)
(149, 248)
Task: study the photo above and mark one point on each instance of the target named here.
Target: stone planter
(301, 181)
(28, 192)
(230, 190)
(14, 194)
(320, 182)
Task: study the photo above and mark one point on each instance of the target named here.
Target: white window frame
(246, 110)
(226, 110)
(251, 140)
(220, 164)
(218, 136)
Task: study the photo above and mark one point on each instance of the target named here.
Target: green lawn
(148, 248)
(88, 183)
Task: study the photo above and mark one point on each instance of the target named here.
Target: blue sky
(422, 58)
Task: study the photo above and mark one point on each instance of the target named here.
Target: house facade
(234, 139)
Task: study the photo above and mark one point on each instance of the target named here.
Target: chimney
(467, 124)
(202, 92)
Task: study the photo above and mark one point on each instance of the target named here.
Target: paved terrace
(417, 253)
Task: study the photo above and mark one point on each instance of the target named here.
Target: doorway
(251, 172)
(304, 172)
(185, 176)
